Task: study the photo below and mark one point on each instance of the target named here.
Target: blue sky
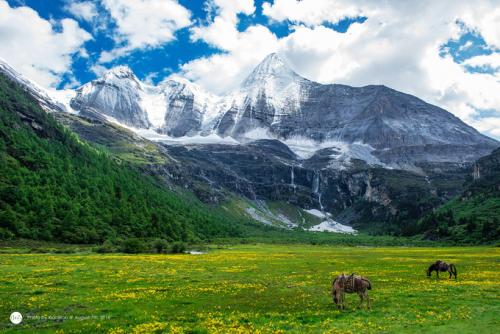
(448, 54)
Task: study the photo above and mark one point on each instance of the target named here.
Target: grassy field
(250, 289)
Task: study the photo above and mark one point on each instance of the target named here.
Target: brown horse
(350, 284)
(442, 266)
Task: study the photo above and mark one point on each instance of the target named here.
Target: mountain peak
(273, 60)
(120, 72)
(271, 67)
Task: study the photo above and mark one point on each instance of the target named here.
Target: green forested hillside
(474, 216)
(55, 187)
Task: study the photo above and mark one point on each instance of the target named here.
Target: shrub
(178, 247)
(133, 246)
(160, 245)
(67, 250)
(106, 247)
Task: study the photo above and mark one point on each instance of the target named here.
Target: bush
(5, 234)
(67, 250)
(134, 246)
(106, 247)
(178, 247)
(160, 246)
(42, 250)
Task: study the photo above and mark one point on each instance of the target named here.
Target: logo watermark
(16, 318)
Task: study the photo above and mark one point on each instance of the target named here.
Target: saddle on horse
(349, 283)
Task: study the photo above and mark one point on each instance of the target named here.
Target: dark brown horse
(343, 284)
(442, 266)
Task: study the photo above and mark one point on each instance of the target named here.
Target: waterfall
(320, 203)
(316, 188)
(316, 182)
(476, 174)
(292, 179)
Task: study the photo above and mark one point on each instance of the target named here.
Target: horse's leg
(437, 273)
(369, 301)
(449, 271)
(361, 299)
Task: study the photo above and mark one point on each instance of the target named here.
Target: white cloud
(484, 16)
(241, 50)
(85, 10)
(491, 60)
(144, 24)
(33, 47)
(489, 125)
(311, 12)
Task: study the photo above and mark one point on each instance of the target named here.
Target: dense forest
(55, 187)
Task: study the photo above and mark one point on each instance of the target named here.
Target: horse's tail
(369, 283)
(453, 269)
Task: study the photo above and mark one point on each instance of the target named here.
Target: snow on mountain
(190, 110)
(280, 85)
(117, 94)
(332, 226)
(317, 213)
(328, 224)
(154, 103)
(50, 100)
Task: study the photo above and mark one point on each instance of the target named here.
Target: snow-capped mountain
(270, 93)
(189, 110)
(373, 123)
(117, 94)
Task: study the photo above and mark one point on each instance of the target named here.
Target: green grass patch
(248, 289)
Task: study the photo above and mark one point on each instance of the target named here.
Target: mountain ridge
(278, 103)
(274, 102)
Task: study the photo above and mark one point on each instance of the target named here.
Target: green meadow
(250, 289)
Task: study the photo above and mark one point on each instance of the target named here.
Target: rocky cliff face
(486, 173)
(354, 192)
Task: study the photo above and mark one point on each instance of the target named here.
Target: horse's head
(335, 298)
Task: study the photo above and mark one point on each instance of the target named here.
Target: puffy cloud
(489, 125)
(33, 45)
(484, 16)
(311, 12)
(85, 10)
(144, 23)
(222, 32)
(241, 50)
(489, 61)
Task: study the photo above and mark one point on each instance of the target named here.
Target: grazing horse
(442, 266)
(350, 284)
